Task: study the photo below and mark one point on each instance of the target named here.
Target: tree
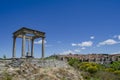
(115, 65)
(74, 62)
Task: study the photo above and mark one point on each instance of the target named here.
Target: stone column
(43, 47)
(23, 46)
(28, 54)
(14, 48)
(32, 47)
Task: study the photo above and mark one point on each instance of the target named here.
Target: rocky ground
(38, 70)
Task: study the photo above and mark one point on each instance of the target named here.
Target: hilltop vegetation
(93, 71)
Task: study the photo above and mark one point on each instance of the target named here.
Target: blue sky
(77, 26)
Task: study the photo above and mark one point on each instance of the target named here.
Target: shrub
(109, 69)
(7, 76)
(115, 65)
(89, 67)
(83, 66)
(92, 69)
(117, 72)
(74, 62)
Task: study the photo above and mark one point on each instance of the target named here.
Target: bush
(115, 65)
(92, 69)
(89, 67)
(117, 72)
(109, 69)
(7, 76)
(83, 66)
(74, 62)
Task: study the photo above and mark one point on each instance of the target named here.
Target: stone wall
(37, 62)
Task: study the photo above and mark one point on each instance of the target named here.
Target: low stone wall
(52, 63)
(37, 62)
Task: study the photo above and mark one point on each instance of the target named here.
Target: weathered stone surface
(39, 70)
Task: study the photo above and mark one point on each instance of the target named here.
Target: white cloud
(86, 44)
(67, 52)
(77, 50)
(108, 42)
(83, 44)
(92, 37)
(73, 44)
(39, 42)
